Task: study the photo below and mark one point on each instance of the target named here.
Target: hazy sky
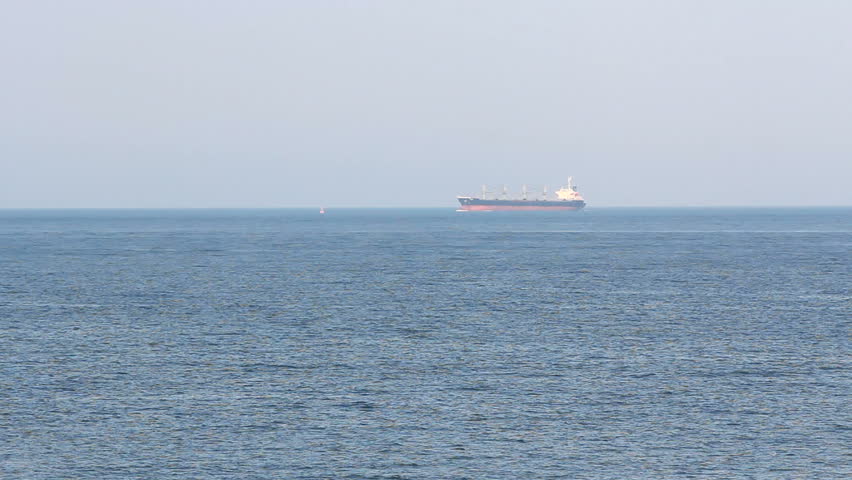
(408, 103)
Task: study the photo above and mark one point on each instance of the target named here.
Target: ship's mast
(505, 192)
(524, 191)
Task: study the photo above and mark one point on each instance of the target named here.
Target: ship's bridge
(569, 192)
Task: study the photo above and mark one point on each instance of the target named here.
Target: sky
(178, 103)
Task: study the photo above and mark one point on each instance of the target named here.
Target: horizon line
(352, 207)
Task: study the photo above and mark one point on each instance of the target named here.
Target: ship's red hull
(488, 208)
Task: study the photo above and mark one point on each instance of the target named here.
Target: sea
(613, 343)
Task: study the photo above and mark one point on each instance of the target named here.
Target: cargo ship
(567, 198)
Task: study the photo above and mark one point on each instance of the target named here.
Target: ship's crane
(567, 192)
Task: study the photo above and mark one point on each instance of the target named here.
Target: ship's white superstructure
(567, 198)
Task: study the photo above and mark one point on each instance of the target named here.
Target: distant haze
(409, 103)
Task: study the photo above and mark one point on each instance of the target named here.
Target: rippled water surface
(425, 344)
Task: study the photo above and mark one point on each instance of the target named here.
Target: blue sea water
(425, 344)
